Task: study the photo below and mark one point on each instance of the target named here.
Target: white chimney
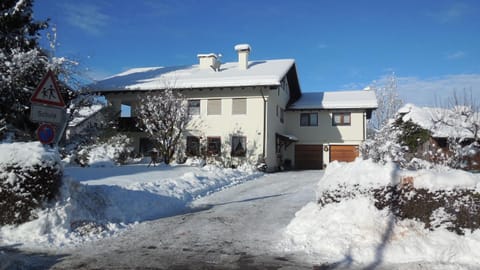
(207, 61)
(243, 51)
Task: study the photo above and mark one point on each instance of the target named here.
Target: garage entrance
(308, 157)
(344, 153)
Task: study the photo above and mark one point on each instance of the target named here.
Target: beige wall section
(326, 133)
(227, 124)
(224, 125)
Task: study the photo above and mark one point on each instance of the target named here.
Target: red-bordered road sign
(48, 92)
(46, 133)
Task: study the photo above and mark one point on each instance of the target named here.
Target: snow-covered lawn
(97, 202)
(354, 232)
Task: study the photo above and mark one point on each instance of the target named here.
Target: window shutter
(239, 106)
(214, 107)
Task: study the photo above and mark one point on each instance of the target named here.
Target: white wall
(227, 124)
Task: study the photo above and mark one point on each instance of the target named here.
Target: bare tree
(460, 114)
(163, 116)
(388, 103)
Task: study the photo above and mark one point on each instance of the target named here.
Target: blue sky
(432, 46)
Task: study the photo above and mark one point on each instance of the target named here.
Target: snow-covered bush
(113, 150)
(370, 213)
(30, 176)
(425, 137)
(399, 142)
(416, 195)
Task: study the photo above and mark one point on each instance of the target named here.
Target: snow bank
(368, 174)
(99, 202)
(27, 155)
(355, 231)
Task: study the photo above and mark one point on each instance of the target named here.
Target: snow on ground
(354, 231)
(99, 202)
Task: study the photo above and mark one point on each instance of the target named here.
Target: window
(213, 146)
(308, 119)
(341, 119)
(193, 146)
(239, 106)
(239, 146)
(194, 107)
(214, 107)
(125, 111)
(281, 115)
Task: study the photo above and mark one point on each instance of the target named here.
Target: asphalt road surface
(237, 228)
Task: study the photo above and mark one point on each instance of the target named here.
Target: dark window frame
(342, 119)
(190, 107)
(235, 152)
(213, 142)
(309, 120)
(188, 149)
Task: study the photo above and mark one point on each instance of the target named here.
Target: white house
(250, 110)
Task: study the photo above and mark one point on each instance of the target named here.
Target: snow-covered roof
(84, 113)
(364, 99)
(259, 73)
(442, 123)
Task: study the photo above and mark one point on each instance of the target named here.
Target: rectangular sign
(44, 114)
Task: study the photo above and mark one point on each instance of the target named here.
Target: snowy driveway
(238, 228)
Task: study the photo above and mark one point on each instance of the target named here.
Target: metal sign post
(48, 109)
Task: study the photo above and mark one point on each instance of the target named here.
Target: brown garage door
(345, 153)
(308, 157)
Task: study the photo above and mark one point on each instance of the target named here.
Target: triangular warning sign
(48, 92)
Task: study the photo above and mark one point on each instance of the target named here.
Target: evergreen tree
(22, 62)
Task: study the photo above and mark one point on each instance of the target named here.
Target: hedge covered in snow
(30, 176)
(364, 208)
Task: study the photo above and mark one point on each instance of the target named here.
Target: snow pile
(98, 202)
(368, 174)
(27, 155)
(352, 230)
(106, 153)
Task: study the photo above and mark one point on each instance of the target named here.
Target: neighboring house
(85, 119)
(251, 110)
(332, 123)
(460, 125)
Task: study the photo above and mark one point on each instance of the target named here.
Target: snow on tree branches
(388, 103)
(163, 116)
(23, 63)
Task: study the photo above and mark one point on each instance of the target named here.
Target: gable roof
(362, 99)
(259, 73)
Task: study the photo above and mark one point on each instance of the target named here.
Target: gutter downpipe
(264, 123)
